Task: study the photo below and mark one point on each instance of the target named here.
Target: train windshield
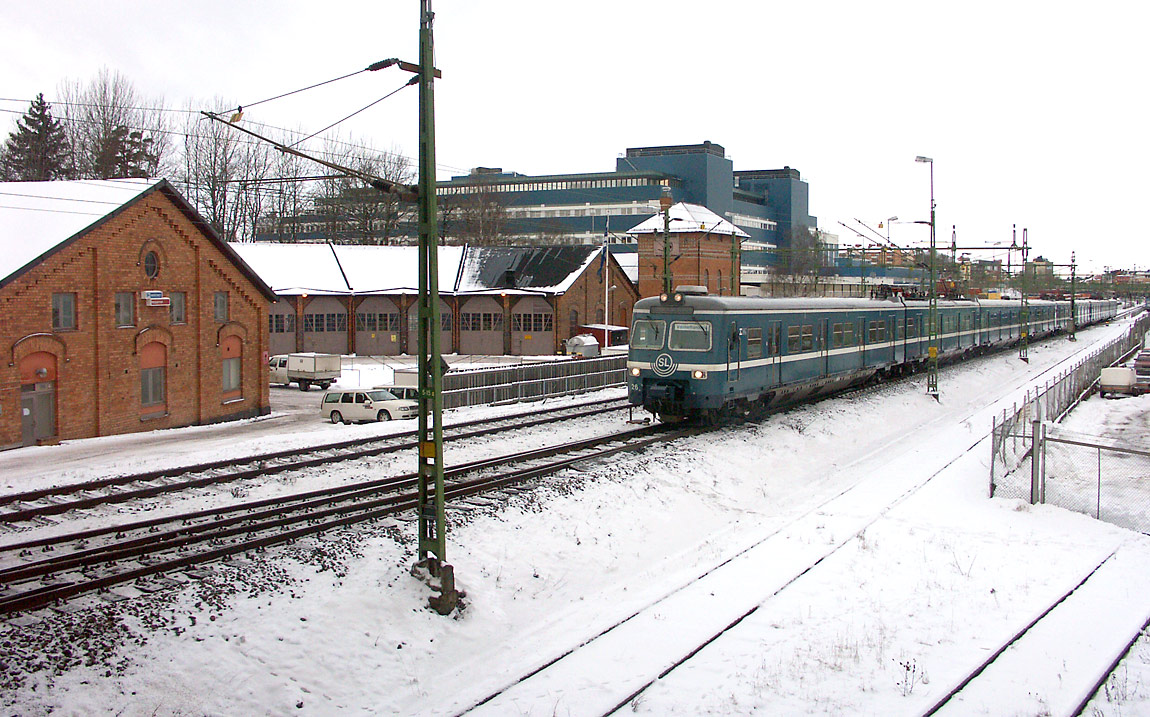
(690, 336)
(648, 334)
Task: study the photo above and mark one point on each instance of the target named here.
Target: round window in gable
(151, 264)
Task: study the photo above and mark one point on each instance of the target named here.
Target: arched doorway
(37, 397)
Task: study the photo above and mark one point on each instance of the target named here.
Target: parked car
(304, 369)
(372, 404)
(408, 393)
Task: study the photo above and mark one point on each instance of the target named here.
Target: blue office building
(490, 205)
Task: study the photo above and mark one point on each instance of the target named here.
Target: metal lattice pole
(432, 514)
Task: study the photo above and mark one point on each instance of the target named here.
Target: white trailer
(305, 369)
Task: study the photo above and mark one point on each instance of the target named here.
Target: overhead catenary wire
(409, 83)
(370, 68)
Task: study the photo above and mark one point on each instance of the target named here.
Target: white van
(372, 404)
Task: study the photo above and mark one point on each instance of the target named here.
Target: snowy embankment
(920, 576)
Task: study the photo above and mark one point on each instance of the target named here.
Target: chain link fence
(1112, 487)
(1090, 475)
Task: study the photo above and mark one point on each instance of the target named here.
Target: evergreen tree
(37, 150)
(125, 153)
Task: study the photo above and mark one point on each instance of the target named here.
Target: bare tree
(354, 212)
(223, 174)
(482, 215)
(802, 259)
(113, 130)
(285, 199)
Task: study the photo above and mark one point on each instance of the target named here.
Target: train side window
(900, 331)
(837, 336)
(648, 334)
(793, 333)
(911, 330)
(848, 334)
(754, 343)
(690, 336)
(808, 337)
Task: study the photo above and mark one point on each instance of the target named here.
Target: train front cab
(677, 362)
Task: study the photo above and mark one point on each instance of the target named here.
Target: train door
(734, 353)
(774, 352)
(824, 342)
(860, 332)
(890, 323)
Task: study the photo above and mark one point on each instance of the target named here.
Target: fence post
(1035, 459)
(1098, 504)
(993, 450)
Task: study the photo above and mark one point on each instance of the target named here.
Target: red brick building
(703, 251)
(122, 311)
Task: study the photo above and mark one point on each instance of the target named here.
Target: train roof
(708, 302)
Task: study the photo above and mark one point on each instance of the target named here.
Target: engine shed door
(734, 352)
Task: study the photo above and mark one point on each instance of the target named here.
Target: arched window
(153, 378)
(232, 350)
(151, 264)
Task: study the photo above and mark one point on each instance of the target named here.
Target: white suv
(373, 404)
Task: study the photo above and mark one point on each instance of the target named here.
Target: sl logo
(664, 365)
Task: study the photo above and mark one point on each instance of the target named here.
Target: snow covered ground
(916, 576)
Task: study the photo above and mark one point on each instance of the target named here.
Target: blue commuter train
(700, 357)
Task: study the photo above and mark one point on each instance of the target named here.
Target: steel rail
(262, 465)
(320, 515)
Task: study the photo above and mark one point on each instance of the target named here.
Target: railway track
(19, 508)
(605, 673)
(45, 571)
(1071, 617)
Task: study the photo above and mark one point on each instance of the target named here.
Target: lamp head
(920, 158)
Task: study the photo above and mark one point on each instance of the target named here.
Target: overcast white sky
(1034, 112)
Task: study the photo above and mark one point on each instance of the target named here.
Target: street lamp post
(932, 313)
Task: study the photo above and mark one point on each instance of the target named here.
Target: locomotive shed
(505, 570)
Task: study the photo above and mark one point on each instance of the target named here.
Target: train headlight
(663, 298)
(698, 374)
(634, 370)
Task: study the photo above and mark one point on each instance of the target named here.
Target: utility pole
(431, 555)
(665, 202)
(1073, 292)
(932, 313)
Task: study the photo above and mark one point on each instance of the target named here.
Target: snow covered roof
(340, 269)
(394, 269)
(295, 268)
(689, 218)
(525, 270)
(37, 217)
(629, 263)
